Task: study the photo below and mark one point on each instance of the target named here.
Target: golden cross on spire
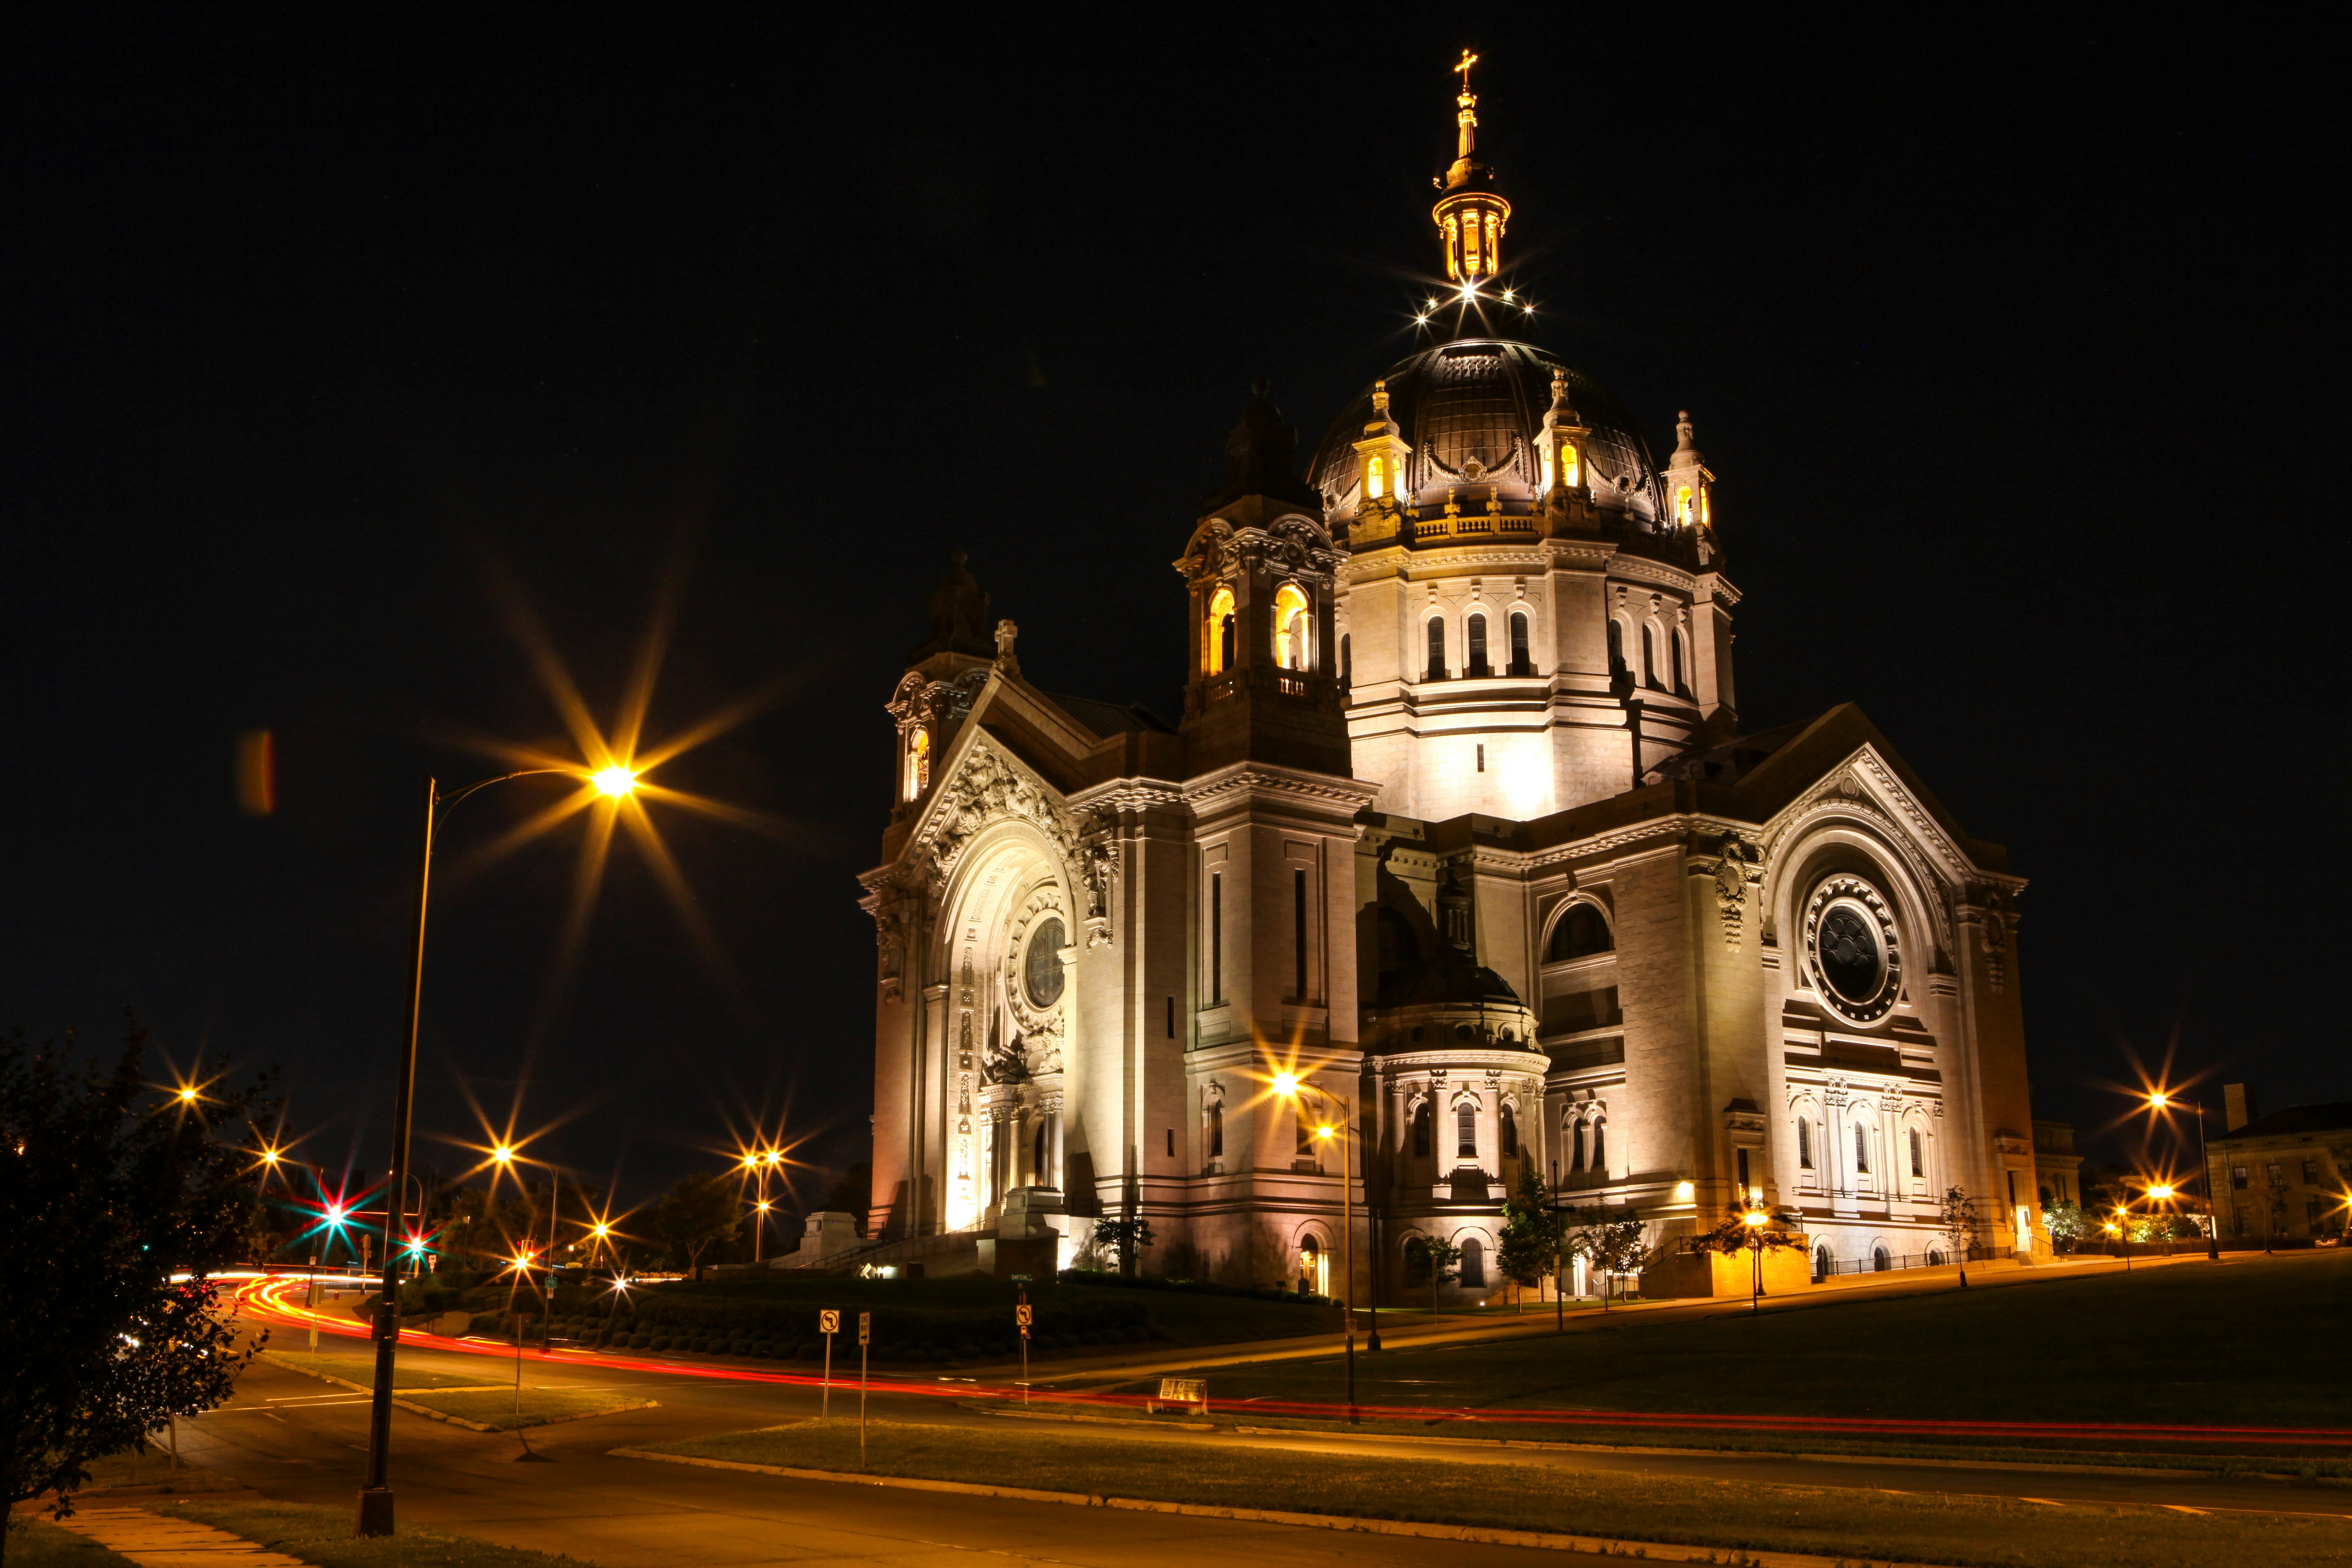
(1468, 59)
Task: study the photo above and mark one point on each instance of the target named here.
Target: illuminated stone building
(1459, 820)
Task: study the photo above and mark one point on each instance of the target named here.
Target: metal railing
(1940, 1257)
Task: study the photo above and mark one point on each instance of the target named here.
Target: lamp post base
(375, 1511)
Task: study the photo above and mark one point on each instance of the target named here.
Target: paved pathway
(153, 1541)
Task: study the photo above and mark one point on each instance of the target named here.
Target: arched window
(1376, 477)
(1576, 1144)
(1511, 1131)
(1568, 464)
(1650, 657)
(1616, 645)
(1683, 507)
(1291, 622)
(1580, 933)
(1310, 1267)
(1804, 1144)
(1822, 1262)
(1219, 640)
(1473, 1261)
(1601, 1143)
(1476, 630)
(1037, 1172)
(1918, 1154)
(918, 761)
(1675, 648)
(1860, 1149)
(1416, 1260)
(1465, 1131)
(1422, 1130)
(1521, 664)
(1305, 1132)
(1879, 1260)
(1347, 665)
(1436, 647)
(1216, 1128)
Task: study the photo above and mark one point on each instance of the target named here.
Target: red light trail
(263, 1297)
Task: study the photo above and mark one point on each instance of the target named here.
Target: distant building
(2057, 1168)
(2284, 1175)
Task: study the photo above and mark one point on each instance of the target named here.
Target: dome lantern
(1470, 216)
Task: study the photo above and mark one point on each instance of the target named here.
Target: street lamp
(613, 781)
(1287, 1085)
(1755, 1219)
(2160, 1101)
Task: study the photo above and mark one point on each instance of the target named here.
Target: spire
(1470, 216)
(1688, 480)
(1262, 458)
(958, 615)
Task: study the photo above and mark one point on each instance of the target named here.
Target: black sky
(331, 346)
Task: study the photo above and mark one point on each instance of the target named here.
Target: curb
(400, 1403)
(1591, 1545)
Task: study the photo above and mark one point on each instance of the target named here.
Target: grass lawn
(37, 1544)
(2240, 1344)
(489, 1400)
(323, 1536)
(1913, 1527)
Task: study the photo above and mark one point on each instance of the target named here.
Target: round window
(1851, 949)
(1850, 960)
(1041, 967)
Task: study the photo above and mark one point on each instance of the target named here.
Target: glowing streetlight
(2161, 1100)
(1288, 1086)
(188, 1096)
(2161, 1193)
(615, 781)
(503, 1154)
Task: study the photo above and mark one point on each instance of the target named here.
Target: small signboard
(1020, 1315)
(1023, 1279)
(1183, 1394)
(828, 1322)
(864, 1328)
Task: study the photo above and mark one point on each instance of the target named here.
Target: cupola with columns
(1471, 214)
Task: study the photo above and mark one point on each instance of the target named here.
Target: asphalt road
(295, 1438)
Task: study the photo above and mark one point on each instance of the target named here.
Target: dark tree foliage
(1127, 1238)
(110, 1187)
(696, 1211)
(1531, 1243)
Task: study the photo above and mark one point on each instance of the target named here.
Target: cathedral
(1457, 867)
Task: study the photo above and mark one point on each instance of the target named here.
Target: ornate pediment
(988, 786)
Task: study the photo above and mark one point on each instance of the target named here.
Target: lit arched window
(1290, 625)
(1705, 511)
(1219, 640)
(1476, 630)
(1376, 478)
(1521, 664)
(1568, 465)
(1580, 933)
(918, 761)
(1683, 507)
(1465, 1131)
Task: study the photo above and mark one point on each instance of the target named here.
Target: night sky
(335, 355)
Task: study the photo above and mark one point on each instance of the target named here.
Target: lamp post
(374, 1512)
(1287, 1085)
(2162, 1099)
(1755, 1219)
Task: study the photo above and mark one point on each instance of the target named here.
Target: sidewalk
(152, 1540)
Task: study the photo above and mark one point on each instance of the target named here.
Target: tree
(1755, 1231)
(1609, 1240)
(108, 1187)
(1529, 1247)
(696, 1211)
(1127, 1237)
(1440, 1261)
(2065, 1220)
(1958, 1223)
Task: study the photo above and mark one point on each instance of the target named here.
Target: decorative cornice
(1212, 790)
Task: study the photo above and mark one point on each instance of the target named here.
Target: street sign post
(1021, 1317)
(828, 1324)
(864, 1338)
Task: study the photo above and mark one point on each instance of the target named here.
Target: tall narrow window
(1511, 1132)
(1346, 665)
(1216, 937)
(1742, 1155)
(1576, 1158)
(1919, 1155)
(1216, 1128)
(1291, 621)
(1860, 1149)
(1476, 630)
(1616, 645)
(1600, 1145)
(1521, 664)
(1037, 1176)
(1171, 1018)
(1421, 1130)
(1376, 477)
(1650, 657)
(1436, 647)
(1171, 1142)
(1674, 646)
(918, 761)
(1465, 1131)
(1482, 756)
(1804, 1144)
(1473, 1261)
(1218, 637)
(1683, 507)
(1305, 1132)
(1298, 933)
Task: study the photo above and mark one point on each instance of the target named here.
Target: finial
(1380, 396)
(1683, 440)
(956, 558)
(1468, 59)
(1258, 387)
